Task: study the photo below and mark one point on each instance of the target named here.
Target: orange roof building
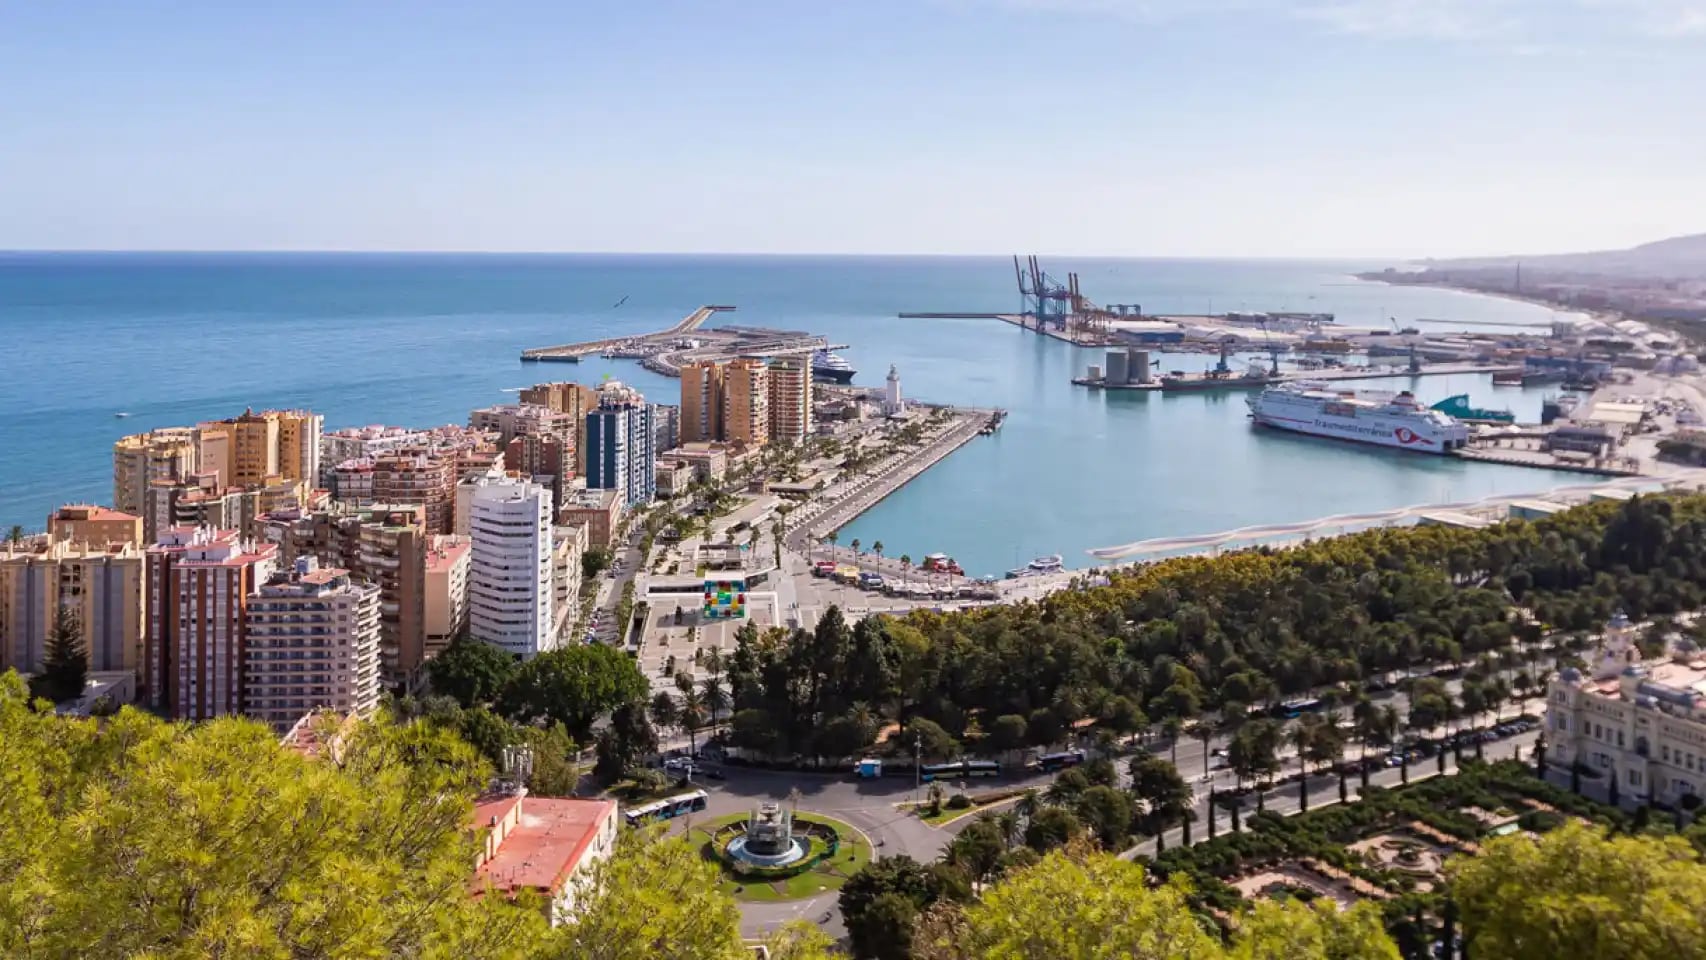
(542, 843)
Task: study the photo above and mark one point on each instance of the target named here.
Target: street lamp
(917, 765)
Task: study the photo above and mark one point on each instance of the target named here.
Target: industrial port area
(1622, 401)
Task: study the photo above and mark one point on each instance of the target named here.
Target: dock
(573, 352)
(1355, 373)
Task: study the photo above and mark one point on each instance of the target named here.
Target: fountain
(769, 839)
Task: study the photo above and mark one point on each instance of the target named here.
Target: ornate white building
(1641, 722)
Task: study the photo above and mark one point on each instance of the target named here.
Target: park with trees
(1232, 636)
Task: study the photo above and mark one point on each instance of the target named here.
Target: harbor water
(419, 340)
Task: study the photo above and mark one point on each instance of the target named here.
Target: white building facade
(510, 601)
(1639, 722)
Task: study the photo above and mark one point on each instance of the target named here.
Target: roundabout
(775, 854)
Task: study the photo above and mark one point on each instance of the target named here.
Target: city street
(871, 806)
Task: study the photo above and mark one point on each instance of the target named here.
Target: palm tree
(1173, 727)
(1028, 804)
(1303, 736)
(715, 697)
(877, 548)
(1205, 733)
(691, 711)
(15, 535)
(833, 536)
(906, 562)
(855, 548)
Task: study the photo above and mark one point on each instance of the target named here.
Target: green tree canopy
(1578, 893)
(471, 671)
(65, 661)
(573, 686)
(133, 837)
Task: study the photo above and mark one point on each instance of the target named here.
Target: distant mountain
(1675, 258)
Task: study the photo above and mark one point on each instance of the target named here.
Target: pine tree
(65, 662)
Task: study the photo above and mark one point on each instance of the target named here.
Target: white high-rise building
(509, 577)
(893, 405)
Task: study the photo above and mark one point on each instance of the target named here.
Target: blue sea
(419, 340)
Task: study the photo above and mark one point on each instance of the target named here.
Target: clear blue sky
(1144, 127)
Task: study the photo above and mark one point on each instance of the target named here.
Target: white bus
(667, 809)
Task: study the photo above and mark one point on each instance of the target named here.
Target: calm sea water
(419, 340)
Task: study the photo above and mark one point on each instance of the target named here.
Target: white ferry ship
(1377, 417)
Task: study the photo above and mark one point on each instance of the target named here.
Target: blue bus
(1292, 709)
(1050, 762)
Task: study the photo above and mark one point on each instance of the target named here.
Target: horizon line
(335, 251)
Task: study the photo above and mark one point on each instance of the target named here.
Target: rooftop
(550, 836)
(89, 511)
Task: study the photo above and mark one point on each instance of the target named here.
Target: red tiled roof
(543, 848)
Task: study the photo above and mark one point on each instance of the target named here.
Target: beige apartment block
(101, 585)
(312, 644)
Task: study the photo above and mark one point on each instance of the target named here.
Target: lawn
(979, 803)
(853, 855)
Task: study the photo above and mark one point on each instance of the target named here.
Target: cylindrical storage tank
(1095, 373)
(1137, 366)
(1116, 368)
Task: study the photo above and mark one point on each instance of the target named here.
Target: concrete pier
(572, 352)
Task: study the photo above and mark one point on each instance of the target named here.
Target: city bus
(667, 809)
(1292, 709)
(1050, 762)
(959, 769)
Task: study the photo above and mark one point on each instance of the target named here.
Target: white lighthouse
(893, 405)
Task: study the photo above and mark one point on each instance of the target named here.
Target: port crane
(1048, 302)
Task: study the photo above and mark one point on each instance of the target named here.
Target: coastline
(1533, 301)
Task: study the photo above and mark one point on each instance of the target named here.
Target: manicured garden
(835, 853)
(1457, 811)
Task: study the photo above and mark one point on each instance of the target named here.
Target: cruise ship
(1380, 418)
(832, 367)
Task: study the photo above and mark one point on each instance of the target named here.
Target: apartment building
(790, 399)
(621, 443)
(138, 461)
(428, 479)
(666, 427)
(701, 412)
(448, 560)
(312, 644)
(383, 544)
(86, 523)
(510, 593)
(100, 584)
(199, 581)
(570, 398)
(598, 510)
(253, 448)
(746, 402)
(568, 544)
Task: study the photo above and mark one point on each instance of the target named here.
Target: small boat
(122, 414)
(1038, 567)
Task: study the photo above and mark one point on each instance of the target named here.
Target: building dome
(1570, 675)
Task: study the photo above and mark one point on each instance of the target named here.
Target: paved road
(1324, 789)
(868, 805)
(871, 807)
